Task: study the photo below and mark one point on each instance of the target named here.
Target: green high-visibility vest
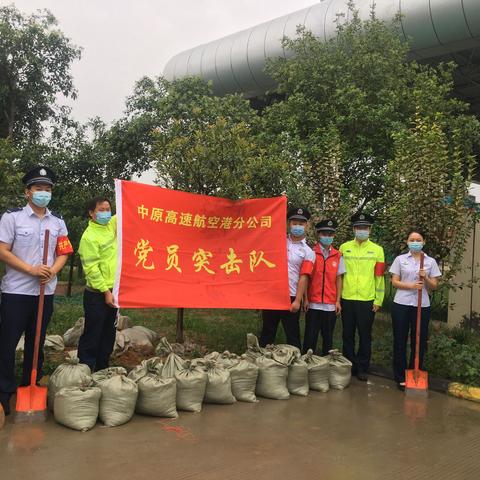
(364, 278)
(98, 253)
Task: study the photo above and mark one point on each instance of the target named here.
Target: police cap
(362, 220)
(328, 225)
(39, 175)
(296, 213)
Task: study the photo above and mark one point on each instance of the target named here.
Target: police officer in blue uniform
(22, 232)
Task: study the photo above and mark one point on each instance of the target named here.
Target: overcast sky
(123, 40)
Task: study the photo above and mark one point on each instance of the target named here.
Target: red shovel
(32, 400)
(416, 380)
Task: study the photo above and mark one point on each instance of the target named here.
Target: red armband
(307, 268)
(64, 247)
(380, 269)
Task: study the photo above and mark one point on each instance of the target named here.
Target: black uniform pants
(290, 322)
(317, 321)
(404, 319)
(357, 315)
(18, 315)
(98, 338)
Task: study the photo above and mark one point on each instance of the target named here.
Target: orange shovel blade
(416, 380)
(31, 399)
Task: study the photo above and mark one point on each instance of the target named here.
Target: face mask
(326, 241)
(41, 199)
(297, 230)
(362, 234)
(415, 246)
(103, 217)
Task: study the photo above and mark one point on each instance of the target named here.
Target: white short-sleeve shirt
(25, 232)
(407, 268)
(299, 255)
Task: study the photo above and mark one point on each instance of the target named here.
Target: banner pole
(180, 338)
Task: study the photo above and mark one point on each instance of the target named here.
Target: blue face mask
(362, 235)
(103, 217)
(415, 246)
(41, 199)
(326, 241)
(297, 230)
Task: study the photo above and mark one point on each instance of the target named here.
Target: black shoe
(5, 401)
(363, 377)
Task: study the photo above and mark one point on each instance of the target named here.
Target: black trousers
(18, 315)
(317, 321)
(357, 316)
(98, 338)
(404, 320)
(290, 322)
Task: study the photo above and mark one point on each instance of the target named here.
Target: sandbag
(157, 396)
(77, 407)
(272, 378)
(284, 354)
(72, 373)
(122, 343)
(340, 370)
(118, 400)
(107, 373)
(191, 386)
(54, 342)
(150, 334)
(123, 322)
(72, 335)
(137, 338)
(254, 350)
(173, 363)
(318, 371)
(153, 365)
(297, 381)
(244, 376)
(228, 360)
(219, 384)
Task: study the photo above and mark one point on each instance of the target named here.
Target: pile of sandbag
(72, 373)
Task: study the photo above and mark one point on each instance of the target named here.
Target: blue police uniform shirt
(25, 232)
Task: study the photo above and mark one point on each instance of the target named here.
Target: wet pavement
(369, 431)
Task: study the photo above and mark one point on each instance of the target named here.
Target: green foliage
(35, 59)
(9, 176)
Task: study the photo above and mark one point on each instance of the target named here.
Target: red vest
(322, 287)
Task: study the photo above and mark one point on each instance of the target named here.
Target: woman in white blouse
(407, 278)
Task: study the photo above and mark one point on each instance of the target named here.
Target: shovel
(32, 400)
(416, 380)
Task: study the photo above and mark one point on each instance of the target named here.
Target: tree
(427, 183)
(361, 85)
(9, 176)
(35, 60)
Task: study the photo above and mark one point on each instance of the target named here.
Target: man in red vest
(324, 289)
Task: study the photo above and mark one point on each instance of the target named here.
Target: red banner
(178, 249)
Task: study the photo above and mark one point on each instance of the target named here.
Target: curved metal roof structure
(438, 29)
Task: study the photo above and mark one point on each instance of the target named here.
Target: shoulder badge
(16, 209)
(55, 214)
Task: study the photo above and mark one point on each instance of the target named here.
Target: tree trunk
(179, 338)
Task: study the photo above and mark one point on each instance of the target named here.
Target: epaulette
(16, 209)
(55, 214)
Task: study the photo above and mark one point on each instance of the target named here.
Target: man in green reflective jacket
(362, 293)
(98, 253)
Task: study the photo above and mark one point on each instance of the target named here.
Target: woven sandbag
(173, 362)
(318, 371)
(152, 365)
(254, 350)
(157, 396)
(118, 401)
(77, 407)
(244, 376)
(340, 370)
(100, 375)
(72, 373)
(219, 384)
(272, 378)
(191, 386)
(297, 381)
